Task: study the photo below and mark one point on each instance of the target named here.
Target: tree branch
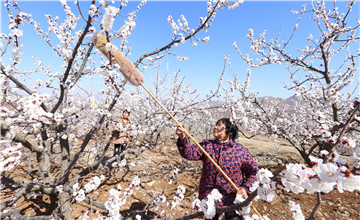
(88, 137)
(6, 45)
(69, 66)
(96, 164)
(339, 139)
(15, 214)
(20, 192)
(20, 85)
(80, 73)
(317, 206)
(19, 139)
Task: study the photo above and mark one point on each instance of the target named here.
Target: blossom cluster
(298, 178)
(175, 172)
(321, 177)
(266, 189)
(173, 175)
(10, 155)
(93, 184)
(208, 206)
(122, 163)
(78, 193)
(114, 203)
(186, 32)
(179, 196)
(117, 199)
(32, 111)
(31, 106)
(93, 10)
(109, 17)
(160, 202)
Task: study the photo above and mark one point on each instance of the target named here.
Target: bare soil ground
(155, 166)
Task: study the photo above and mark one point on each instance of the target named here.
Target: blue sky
(206, 60)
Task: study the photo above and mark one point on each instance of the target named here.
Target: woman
(233, 158)
(122, 135)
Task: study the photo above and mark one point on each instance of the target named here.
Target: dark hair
(126, 111)
(230, 127)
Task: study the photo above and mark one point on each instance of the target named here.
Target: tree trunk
(64, 206)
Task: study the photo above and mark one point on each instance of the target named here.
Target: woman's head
(225, 129)
(126, 113)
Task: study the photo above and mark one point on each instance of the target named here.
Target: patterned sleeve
(190, 151)
(249, 169)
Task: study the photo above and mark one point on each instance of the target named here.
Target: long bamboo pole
(201, 148)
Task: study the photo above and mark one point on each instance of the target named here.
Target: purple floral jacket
(233, 158)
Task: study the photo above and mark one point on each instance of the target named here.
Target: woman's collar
(227, 142)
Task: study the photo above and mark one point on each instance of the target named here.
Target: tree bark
(64, 205)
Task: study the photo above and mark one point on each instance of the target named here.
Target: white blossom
(136, 181)
(109, 17)
(93, 184)
(264, 175)
(310, 37)
(296, 211)
(208, 208)
(79, 195)
(216, 195)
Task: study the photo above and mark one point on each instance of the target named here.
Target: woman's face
(220, 132)
(125, 115)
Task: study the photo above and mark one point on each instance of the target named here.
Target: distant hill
(287, 104)
(266, 101)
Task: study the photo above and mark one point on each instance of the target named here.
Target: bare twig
(317, 206)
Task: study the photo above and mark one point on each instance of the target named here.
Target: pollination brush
(127, 68)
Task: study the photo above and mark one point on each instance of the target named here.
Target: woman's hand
(180, 132)
(242, 192)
